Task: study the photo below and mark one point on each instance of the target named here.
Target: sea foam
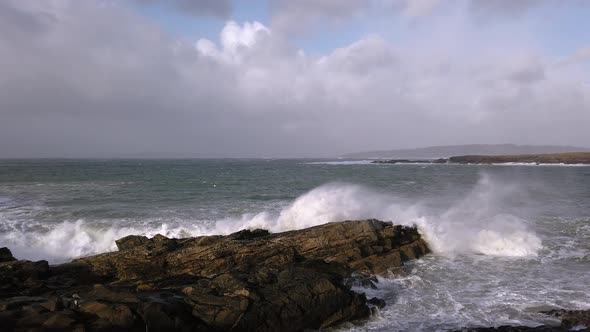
(474, 224)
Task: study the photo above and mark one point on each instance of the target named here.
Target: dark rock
(59, 320)
(379, 303)
(52, 304)
(18, 302)
(111, 315)
(131, 241)
(249, 280)
(575, 318)
(363, 280)
(6, 255)
(247, 234)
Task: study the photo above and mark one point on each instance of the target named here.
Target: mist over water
(505, 239)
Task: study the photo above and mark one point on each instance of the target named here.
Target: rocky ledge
(247, 281)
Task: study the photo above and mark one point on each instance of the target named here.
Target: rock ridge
(249, 280)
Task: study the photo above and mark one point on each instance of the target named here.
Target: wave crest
(474, 224)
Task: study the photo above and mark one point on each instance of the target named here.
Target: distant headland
(569, 158)
(447, 151)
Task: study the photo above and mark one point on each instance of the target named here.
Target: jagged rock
(60, 320)
(248, 234)
(131, 241)
(6, 255)
(18, 302)
(575, 318)
(571, 318)
(249, 280)
(379, 303)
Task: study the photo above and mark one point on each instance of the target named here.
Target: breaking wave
(474, 224)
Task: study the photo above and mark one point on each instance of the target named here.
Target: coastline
(573, 158)
(249, 280)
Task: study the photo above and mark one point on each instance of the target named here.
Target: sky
(289, 78)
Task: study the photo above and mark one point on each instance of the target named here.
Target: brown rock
(131, 241)
(249, 280)
(59, 320)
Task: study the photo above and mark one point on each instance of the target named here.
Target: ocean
(508, 241)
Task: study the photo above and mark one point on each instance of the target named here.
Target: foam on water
(71, 239)
(475, 224)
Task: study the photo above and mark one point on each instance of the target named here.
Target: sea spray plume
(327, 203)
(481, 222)
(71, 239)
(336, 202)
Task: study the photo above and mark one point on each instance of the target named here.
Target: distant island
(547, 158)
(447, 151)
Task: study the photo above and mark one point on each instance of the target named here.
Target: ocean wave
(474, 224)
(5, 200)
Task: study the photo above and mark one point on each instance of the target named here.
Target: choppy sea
(508, 241)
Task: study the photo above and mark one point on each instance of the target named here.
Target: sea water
(508, 241)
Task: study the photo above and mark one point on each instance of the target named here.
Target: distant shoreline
(446, 151)
(548, 158)
(569, 158)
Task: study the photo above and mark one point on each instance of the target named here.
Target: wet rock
(18, 302)
(131, 241)
(576, 318)
(249, 280)
(113, 315)
(571, 319)
(59, 320)
(379, 303)
(52, 304)
(247, 234)
(363, 281)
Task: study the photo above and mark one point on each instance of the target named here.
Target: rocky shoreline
(247, 281)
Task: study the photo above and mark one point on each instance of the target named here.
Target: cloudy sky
(289, 78)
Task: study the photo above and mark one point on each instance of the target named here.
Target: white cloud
(81, 79)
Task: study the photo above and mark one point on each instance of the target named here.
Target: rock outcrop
(246, 281)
